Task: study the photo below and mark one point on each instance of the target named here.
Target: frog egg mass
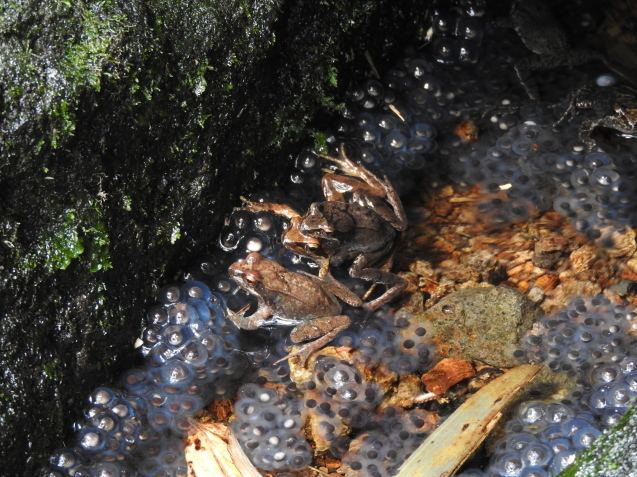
(449, 110)
(269, 429)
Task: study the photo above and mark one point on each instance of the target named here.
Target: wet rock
(480, 324)
(546, 260)
(127, 131)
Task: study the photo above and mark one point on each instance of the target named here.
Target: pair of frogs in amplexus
(361, 228)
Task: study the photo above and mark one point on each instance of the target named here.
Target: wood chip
(547, 282)
(582, 258)
(446, 373)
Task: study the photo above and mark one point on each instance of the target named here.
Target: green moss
(127, 202)
(605, 452)
(57, 55)
(98, 29)
(320, 143)
(97, 238)
(52, 370)
(169, 231)
(59, 245)
(73, 233)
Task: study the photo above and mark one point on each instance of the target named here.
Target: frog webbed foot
(570, 109)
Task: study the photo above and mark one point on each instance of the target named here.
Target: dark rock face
(127, 130)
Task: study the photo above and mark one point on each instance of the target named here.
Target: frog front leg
(321, 330)
(283, 210)
(255, 320)
(292, 238)
(586, 130)
(309, 247)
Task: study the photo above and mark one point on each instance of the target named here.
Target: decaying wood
(213, 451)
(442, 454)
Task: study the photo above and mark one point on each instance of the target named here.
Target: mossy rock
(127, 131)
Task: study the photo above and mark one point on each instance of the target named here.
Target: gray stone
(481, 324)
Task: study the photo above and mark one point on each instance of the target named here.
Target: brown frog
(362, 229)
(293, 299)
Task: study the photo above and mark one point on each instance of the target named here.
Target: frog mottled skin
(289, 298)
(614, 107)
(542, 34)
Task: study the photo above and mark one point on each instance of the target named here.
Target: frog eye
(311, 246)
(251, 279)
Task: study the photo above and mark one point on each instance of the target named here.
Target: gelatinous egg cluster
(389, 440)
(586, 334)
(535, 166)
(456, 33)
(188, 344)
(116, 440)
(269, 428)
(249, 232)
(340, 401)
(541, 441)
(341, 408)
(339, 396)
(191, 358)
(590, 341)
(391, 340)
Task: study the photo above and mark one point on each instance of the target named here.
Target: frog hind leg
(336, 288)
(526, 66)
(371, 182)
(400, 223)
(394, 283)
(323, 330)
